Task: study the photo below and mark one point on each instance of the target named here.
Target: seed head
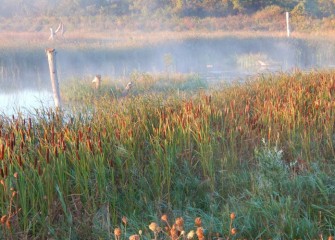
(180, 222)
(124, 220)
(153, 227)
(134, 237)
(233, 231)
(330, 238)
(232, 216)
(190, 235)
(117, 232)
(198, 222)
(164, 218)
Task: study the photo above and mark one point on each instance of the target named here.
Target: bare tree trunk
(51, 53)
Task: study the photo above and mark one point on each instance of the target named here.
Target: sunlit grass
(179, 146)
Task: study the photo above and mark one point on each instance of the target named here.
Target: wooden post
(287, 24)
(51, 53)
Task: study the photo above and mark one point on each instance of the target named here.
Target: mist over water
(25, 80)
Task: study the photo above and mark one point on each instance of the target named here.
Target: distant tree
(143, 7)
(181, 8)
(327, 7)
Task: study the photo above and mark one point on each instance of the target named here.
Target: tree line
(179, 8)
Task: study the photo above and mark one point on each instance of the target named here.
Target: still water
(25, 82)
(24, 101)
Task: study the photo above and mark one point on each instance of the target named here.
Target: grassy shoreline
(136, 39)
(263, 150)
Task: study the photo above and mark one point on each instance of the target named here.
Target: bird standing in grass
(97, 81)
(127, 89)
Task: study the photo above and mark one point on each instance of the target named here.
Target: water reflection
(24, 101)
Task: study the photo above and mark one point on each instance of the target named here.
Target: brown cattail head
(77, 156)
(200, 232)
(89, 144)
(77, 143)
(29, 123)
(6, 171)
(56, 152)
(40, 171)
(19, 159)
(48, 156)
(35, 162)
(3, 219)
(174, 233)
(23, 135)
(100, 145)
(179, 224)
(14, 193)
(63, 145)
(124, 220)
(2, 152)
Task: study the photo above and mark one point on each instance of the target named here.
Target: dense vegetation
(263, 150)
(318, 8)
(154, 15)
(234, 161)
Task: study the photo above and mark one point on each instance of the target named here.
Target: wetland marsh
(213, 128)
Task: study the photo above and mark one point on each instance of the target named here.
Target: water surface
(25, 82)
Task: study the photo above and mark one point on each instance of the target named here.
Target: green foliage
(174, 146)
(198, 8)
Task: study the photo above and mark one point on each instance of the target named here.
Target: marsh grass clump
(263, 149)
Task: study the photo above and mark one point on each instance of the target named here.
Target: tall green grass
(263, 149)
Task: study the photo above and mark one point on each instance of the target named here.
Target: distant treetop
(180, 8)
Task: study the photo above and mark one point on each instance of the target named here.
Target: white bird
(129, 86)
(127, 89)
(97, 81)
(52, 34)
(59, 29)
(263, 64)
